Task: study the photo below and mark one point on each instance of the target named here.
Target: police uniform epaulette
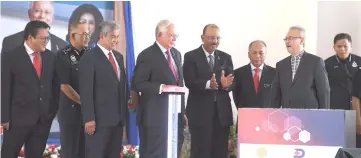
(66, 50)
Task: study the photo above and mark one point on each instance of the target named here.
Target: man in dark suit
(103, 94)
(301, 79)
(30, 92)
(341, 68)
(69, 116)
(252, 82)
(39, 10)
(208, 76)
(158, 70)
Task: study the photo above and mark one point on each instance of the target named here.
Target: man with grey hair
(103, 94)
(301, 79)
(158, 70)
(38, 10)
(252, 82)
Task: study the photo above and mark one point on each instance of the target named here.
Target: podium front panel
(290, 132)
(174, 102)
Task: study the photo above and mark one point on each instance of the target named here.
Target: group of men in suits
(31, 88)
(92, 86)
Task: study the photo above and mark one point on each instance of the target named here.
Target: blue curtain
(133, 132)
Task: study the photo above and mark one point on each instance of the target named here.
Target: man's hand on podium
(173, 88)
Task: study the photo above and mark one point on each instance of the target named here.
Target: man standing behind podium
(103, 94)
(158, 70)
(252, 82)
(30, 92)
(301, 80)
(208, 76)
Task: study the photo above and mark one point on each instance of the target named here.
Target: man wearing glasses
(208, 76)
(69, 116)
(30, 92)
(301, 80)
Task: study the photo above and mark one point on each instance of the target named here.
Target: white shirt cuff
(160, 88)
(208, 84)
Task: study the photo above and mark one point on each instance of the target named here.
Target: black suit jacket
(309, 88)
(24, 98)
(340, 76)
(200, 103)
(15, 40)
(152, 70)
(103, 97)
(244, 93)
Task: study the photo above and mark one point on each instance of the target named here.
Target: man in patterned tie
(301, 79)
(103, 94)
(30, 92)
(158, 69)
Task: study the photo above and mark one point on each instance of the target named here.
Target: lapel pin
(354, 64)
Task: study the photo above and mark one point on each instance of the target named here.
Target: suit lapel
(54, 46)
(288, 70)
(105, 61)
(31, 65)
(44, 65)
(216, 61)
(119, 60)
(204, 59)
(160, 55)
(261, 82)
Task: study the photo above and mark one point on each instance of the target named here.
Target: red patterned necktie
(112, 62)
(256, 79)
(37, 63)
(169, 58)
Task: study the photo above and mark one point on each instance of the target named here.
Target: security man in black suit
(252, 82)
(341, 69)
(356, 96)
(69, 116)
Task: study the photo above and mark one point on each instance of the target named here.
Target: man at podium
(301, 80)
(158, 71)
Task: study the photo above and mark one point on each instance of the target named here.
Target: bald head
(257, 52)
(42, 11)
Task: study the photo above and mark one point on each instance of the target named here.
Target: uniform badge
(354, 64)
(72, 58)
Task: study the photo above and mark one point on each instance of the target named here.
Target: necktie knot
(256, 70)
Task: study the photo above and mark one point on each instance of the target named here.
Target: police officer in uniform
(341, 69)
(69, 116)
(356, 96)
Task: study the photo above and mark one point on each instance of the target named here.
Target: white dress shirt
(30, 52)
(106, 52)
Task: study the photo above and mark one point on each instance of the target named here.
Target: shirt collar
(349, 58)
(207, 53)
(105, 51)
(253, 67)
(28, 49)
(161, 47)
(300, 54)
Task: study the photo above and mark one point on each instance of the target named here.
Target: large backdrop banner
(58, 14)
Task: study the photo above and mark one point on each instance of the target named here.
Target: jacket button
(41, 99)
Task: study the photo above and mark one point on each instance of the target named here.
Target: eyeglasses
(213, 37)
(173, 35)
(83, 34)
(290, 38)
(44, 39)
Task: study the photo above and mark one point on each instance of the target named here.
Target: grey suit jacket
(309, 88)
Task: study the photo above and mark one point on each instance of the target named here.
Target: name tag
(267, 85)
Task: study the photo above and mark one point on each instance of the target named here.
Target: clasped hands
(225, 81)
